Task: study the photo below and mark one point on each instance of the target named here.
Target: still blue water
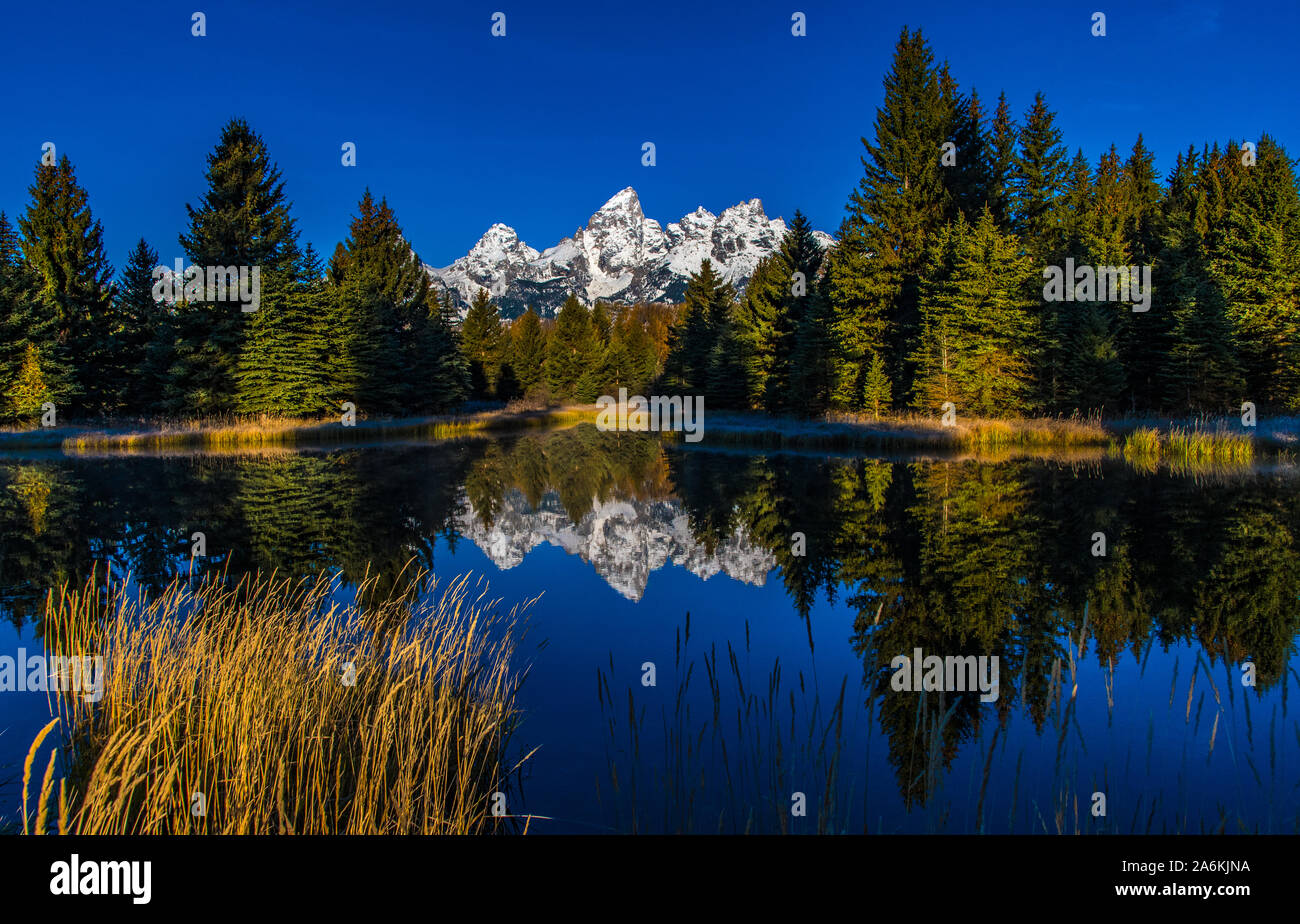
(623, 537)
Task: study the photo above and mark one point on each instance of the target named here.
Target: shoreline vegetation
(1144, 441)
(269, 705)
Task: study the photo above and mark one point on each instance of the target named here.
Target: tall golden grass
(241, 692)
(1188, 447)
(243, 434)
(846, 431)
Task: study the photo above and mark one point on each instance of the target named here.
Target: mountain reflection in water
(1119, 674)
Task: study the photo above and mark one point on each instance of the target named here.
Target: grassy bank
(836, 432)
(242, 434)
(244, 694)
(1143, 441)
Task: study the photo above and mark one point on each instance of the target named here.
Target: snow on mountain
(623, 540)
(621, 255)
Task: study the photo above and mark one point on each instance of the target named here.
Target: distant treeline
(935, 288)
(934, 292)
(364, 327)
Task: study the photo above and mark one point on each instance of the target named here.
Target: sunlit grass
(915, 432)
(243, 693)
(261, 432)
(1185, 447)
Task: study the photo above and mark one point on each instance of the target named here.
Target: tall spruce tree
(1200, 373)
(977, 340)
(1255, 261)
(138, 319)
(443, 371)
(282, 365)
(705, 311)
(1146, 334)
(1003, 138)
(242, 221)
(63, 244)
(969, 180)
(1036, 182)
(528, 350)
(482, 339)
(381, 317)
(1099, 327)
(24, 325)
(572, 348)
(1036, 188)
(756, 327)
(900, 202)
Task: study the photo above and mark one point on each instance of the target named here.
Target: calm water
(772, 668)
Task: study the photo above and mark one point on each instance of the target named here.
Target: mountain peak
(499, 232)
(625, 200)
(619, 255)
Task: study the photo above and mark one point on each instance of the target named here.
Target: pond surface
(768, 594)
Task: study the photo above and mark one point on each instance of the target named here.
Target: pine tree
(282, 365)
(755, 328)
(1146, 335)
(64, 246)
(528, 350)
(900, 203)
(444, 368)
(812, 358)
(28, 391)
(1099, 330)
(571, 350)
(1003, 138)
(970, 180)
(799, 378)
(1036, 183)
(1142, 204)
(242, 221)
(482, 340)
(601, 326)
(1077, 217)
(23, 322)
(1255, 260)
(382, 316)
(1201, 372)
(876, 393)
(858, 316)
(138, 317)
(728, 383)
(705, 311)
(1094, 372)
(978, 328)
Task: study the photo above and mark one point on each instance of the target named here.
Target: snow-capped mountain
(619, 256)
(623, 540)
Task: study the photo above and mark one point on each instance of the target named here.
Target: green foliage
(1037, 180)
(137, 317)
(901, 201)
(242, 220)
(394, 354)
(63, 247)
(483, 341)
(877, 395)
(930, 293)
(1254, 260)
(286, 344)
(28, 391)
(977, 331)
(571, 350)
(692, 343)
(527, 351)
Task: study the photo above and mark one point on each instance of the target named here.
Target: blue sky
(459, 129)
